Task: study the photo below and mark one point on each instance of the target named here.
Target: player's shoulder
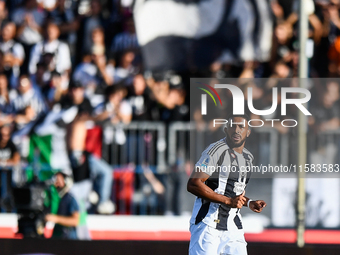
(248, 154)
(216, 147)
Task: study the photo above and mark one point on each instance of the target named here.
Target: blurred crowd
(70, 65)
(61, 55)
(323, 54)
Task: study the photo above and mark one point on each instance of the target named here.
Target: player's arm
(197, 187)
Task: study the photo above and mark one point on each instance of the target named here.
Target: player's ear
(225, 128)
(248, 132)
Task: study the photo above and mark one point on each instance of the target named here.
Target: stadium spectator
(99, 169)
(95, 72)
(29, 20)
(170, 93)
(67, 22)
(127, 40)
(116, 109)
(52, 52)
(94, 20)
(76, 97)
(56, 90)
(39, 79)
(144, 107)
(98, 41)
(13, 53)
(125, 68)
(327, 57)
(6, 101)
(9, 155)
(29, 104)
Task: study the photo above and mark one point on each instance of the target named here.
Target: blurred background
(99, 90)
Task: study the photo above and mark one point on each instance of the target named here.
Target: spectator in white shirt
(95, 73)
(116, 108)
(29, 104)
(13, 53)
(30, 20)
(54, 53)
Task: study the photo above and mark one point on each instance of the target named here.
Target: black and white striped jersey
(228, 176)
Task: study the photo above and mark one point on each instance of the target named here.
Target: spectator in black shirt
(143, 106)
(168, 90)
(76, 97)
(56, 90)
(94, 20)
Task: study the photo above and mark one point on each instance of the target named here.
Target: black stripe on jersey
(214, 147)
(221, 159)
(223, 214)
(249, 158)
(202, 212)
(238, 222)
(213, 180)
(223, 209)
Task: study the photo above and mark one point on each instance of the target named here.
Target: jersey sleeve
(207, 163)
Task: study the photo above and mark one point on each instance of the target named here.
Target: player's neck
(239, 149)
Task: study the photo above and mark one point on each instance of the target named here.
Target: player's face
(237, 132)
